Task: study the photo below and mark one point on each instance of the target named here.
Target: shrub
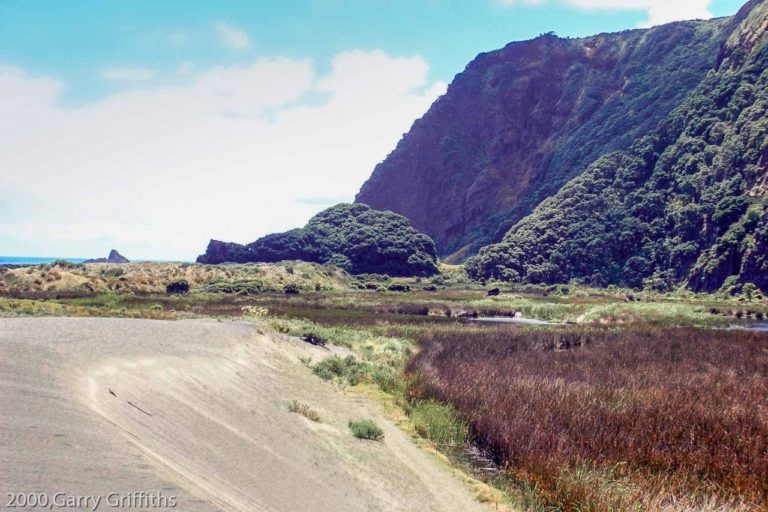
(399, 287)
(305, 410)
(378, 278)
(335, 367)
(246, 287)
(179, 287)
(291, 289)
(112, 272)
(366, 429)
(749, 289)
(389, 380)
(67, 265)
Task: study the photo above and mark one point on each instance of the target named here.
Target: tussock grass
(305, 410)
(62, 280)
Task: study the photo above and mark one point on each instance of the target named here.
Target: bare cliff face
(521, 121)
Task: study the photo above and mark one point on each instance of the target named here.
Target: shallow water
(505, 320)
(754, 326)
(511, 320)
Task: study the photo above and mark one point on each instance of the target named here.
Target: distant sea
(34, 260)
(39, 260)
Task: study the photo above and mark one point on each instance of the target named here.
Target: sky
(151, 127)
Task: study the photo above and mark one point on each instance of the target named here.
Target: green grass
(366, 429)
(440, 423)
(668, 313)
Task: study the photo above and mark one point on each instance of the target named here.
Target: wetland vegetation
(625, 401)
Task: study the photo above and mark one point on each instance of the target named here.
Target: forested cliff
(636, 158)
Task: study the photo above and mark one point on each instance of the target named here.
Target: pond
(511, 320)
(753, 326)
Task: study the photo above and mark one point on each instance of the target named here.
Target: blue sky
(74, 39)
(152, 126)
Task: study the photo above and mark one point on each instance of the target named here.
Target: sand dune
(195, 410)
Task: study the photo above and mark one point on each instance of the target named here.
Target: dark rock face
(114, 257)
(353, 237)
(521, 121)
(223, 252)
(180, 287)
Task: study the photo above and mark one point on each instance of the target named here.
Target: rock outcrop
(114, 257)
(352, 237)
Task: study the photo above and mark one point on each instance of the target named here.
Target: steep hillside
(352, 237)
(521, 121)
(686, 204)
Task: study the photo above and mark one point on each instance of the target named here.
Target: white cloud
(185, 69)
(232, 37)
(659, 11)
(233, 154)
(127, 74)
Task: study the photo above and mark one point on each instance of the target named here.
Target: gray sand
(195, 409)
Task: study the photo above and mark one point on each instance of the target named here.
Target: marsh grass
(606, 419)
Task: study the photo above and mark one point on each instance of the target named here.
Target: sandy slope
(195, 409)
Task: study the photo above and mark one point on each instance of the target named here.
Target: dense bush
(291, 289)
(366, 429)
(681, 206)
(179, 287)
(354, 238)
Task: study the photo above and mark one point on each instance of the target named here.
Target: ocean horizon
(35, 260)
(41, 260)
